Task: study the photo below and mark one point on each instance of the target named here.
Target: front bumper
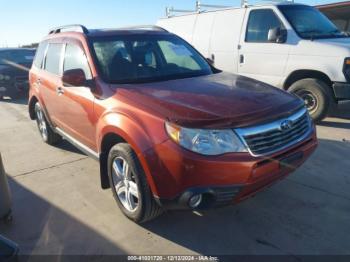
(223, 180)
(341, 91)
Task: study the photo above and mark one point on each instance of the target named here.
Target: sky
(25, 22)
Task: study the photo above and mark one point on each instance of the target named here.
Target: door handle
(60, 91)
(241, 59)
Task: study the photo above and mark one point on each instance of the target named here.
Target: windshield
(17, 56)
(147, 58)
(310, 23)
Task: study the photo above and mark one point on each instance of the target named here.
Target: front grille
(278, 135)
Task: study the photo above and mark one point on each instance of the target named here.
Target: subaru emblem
(286, 125)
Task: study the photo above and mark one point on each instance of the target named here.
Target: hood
(214, 101)
(335, 47)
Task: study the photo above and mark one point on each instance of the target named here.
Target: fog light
(195, 201)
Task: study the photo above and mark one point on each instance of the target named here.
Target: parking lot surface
(59, 208)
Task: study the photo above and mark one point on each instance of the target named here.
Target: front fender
(135, 134)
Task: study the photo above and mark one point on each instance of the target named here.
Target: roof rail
(147, 27)
(69, 28)
(200, 7)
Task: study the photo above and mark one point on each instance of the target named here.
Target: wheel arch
(304, 74)
(31, 107)
(125, 130)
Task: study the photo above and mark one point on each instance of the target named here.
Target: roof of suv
(82, 30)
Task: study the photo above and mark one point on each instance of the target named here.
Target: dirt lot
(60, 209)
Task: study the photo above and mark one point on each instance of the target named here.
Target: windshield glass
(147, 58)
(17, 56)
(310, 23)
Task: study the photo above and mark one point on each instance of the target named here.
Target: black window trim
(247, 24)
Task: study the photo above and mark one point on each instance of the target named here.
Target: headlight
(204, 141)
(347, 69)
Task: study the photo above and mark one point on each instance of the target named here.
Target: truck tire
(317, 96)
(46, 132)
(129, 185)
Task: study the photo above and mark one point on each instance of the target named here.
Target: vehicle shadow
(66, 146)
(41, 228)
(342, 112)
(301, 215)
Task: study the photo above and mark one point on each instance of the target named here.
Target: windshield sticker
(180, 50)
(29, 57)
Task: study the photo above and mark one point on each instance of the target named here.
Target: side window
(259, 24)
(53, 59)
(75, 58)
(40, 53)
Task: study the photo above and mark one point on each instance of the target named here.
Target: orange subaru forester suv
(168, 129)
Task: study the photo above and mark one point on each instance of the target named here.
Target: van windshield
(147, 58)
(310, 23)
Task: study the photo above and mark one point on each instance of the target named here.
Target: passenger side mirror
(74, 77)
(277, 35)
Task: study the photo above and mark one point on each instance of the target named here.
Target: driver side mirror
(277, 35)
(74, 77)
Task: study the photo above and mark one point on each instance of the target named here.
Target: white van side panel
(225, 38)
(182, 26)
(202, 33)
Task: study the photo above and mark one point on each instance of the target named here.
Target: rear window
(53, 59)
(17, 56)
(40, 53)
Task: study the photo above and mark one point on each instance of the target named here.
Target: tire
(140, 207)
(46, 132)
(317, 96)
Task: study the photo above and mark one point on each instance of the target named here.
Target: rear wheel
(316, 95)
(46, 132)
(129, 185)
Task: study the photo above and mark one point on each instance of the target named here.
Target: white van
(291, 46)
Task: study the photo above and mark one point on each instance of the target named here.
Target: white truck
(291, 46)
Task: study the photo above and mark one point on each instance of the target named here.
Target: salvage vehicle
(14, 66)
(291, 46)
(169, 130)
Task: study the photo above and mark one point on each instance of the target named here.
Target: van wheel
(46, 132)
(316, 95)
(129, 185)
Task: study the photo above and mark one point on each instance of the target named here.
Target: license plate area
(292, 161)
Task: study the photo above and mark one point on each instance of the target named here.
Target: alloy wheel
(125, 184)
(41, 122)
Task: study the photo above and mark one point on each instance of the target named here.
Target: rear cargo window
(53, 59)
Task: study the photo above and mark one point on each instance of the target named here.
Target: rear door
(50, 80)
(76, 113)
(259, 58)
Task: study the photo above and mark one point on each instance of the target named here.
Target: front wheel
(46, 132)
(129, 185)
(316, 95)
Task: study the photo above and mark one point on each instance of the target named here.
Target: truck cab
(291, 46)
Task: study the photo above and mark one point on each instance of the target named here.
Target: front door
(259, 58)
(76, 114)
